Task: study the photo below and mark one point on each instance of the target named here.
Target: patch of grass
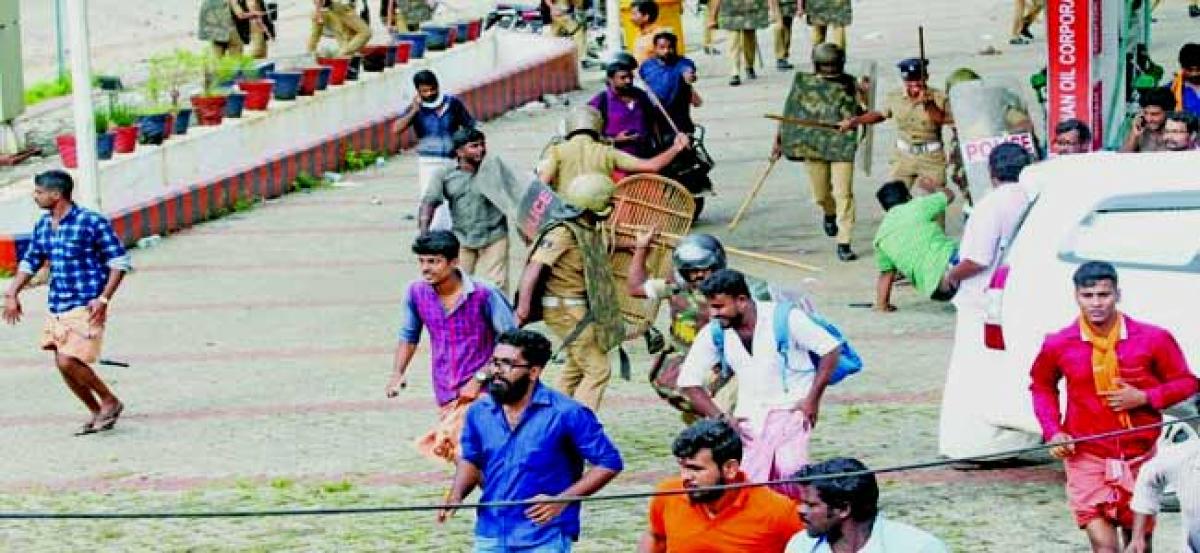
(337, 487)
(307, 182)
(243, 204)
(282, 483)
(45, 90)
(357, 160)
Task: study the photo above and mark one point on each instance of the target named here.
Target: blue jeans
(560, 543)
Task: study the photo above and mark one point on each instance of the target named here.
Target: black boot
(784, 65)
(845, 254)
(750, 73)
(1193, 11)
(831, 228)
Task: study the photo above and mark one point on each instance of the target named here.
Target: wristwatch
(482, 376)
(102, 299)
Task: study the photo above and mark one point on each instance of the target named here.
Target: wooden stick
(674, 238)
(921, 50)
(753, 192)
(803, 122)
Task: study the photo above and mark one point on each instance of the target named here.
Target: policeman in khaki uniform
(742, 19)
(570, 278)
(566, 21)
(827, 96)
(920, 112)
(409, 14)
(583, 152)
(781, 27)
(828, 19)
(351, 32)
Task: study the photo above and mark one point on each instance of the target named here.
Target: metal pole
(612, 29)
(87, 178)
(60, 54)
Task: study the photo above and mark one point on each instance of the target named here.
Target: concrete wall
(160, 189)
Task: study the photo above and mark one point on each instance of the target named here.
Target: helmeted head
(961, 75)
(697, 256)
(828, 59)
(592, 192)
(583, 119)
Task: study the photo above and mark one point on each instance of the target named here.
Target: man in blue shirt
(528, 442)
(435, 117)
(87, 263)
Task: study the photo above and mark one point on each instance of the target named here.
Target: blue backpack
(849, 362)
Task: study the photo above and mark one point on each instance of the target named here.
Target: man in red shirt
(1120, 373)
(716, 521)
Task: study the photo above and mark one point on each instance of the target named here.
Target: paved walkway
(260, 345)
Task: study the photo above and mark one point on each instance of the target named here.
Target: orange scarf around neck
(1105, 368)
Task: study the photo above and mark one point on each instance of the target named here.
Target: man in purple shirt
(627, 114)
(463, 317)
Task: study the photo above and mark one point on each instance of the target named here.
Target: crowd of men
(749, 361)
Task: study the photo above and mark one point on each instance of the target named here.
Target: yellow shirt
(643, 47)
(913, 124)
(558, 251)
(581, 155)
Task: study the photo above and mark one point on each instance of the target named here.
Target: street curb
(487, 98)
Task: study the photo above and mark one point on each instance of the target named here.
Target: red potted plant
(339, 64)
(125, 128)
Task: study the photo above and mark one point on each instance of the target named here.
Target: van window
(1150, 231)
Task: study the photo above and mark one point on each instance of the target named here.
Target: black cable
(607, 497)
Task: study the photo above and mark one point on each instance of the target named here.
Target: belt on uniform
(924, 148)
(551, 301)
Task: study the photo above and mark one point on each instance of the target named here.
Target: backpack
(849, 362)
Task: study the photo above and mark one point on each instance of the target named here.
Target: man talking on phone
(1146, 134)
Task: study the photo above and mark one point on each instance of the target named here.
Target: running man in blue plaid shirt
(87, 263)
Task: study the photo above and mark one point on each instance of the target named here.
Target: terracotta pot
(403, 51)
(258, 93)
(66, 150)
(340, 67)
(210, 110)
(308, 80)
(125, 139)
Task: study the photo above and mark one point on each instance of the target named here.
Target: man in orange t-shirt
(716, 521)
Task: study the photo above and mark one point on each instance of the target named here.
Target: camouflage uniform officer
(741, 18)
(566, 22)
(920, 112)
(410, 14)
(827, 96)
(349, 28)
(782, 28)
(218, 28)
(570, 278)
(828, 19)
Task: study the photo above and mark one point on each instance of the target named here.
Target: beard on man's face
(507, 393)
(707, 496)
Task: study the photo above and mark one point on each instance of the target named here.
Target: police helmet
(698, 252)
(583, 119)
(828, 53)
(961, 75)
(590, 191)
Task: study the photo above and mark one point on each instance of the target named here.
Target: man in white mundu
(778, 401)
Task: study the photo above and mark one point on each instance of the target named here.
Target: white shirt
(1177, 466)
(886, 537)
(989, 230)
(763, 384)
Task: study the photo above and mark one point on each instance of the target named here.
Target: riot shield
(988, 113)
(528, 203)
(814, 106)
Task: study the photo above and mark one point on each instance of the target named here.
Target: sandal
(107, 422)
(87, 428)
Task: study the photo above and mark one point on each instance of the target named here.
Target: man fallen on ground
(1179, 132)
(87, 264)
(1120, 373)
(1071, 137)
(910, 242)
(1146, 133)
(523, 442)
(1177, 467)
(840, 511)
(753, 519)
(480, 226)
(435, 117)
(463, 316)
(779, 393)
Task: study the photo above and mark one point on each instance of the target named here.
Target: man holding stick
(828, 95)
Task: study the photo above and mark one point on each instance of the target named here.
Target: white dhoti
(429, 168)
(974, 390)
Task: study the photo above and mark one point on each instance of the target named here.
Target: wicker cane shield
(641, 202)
